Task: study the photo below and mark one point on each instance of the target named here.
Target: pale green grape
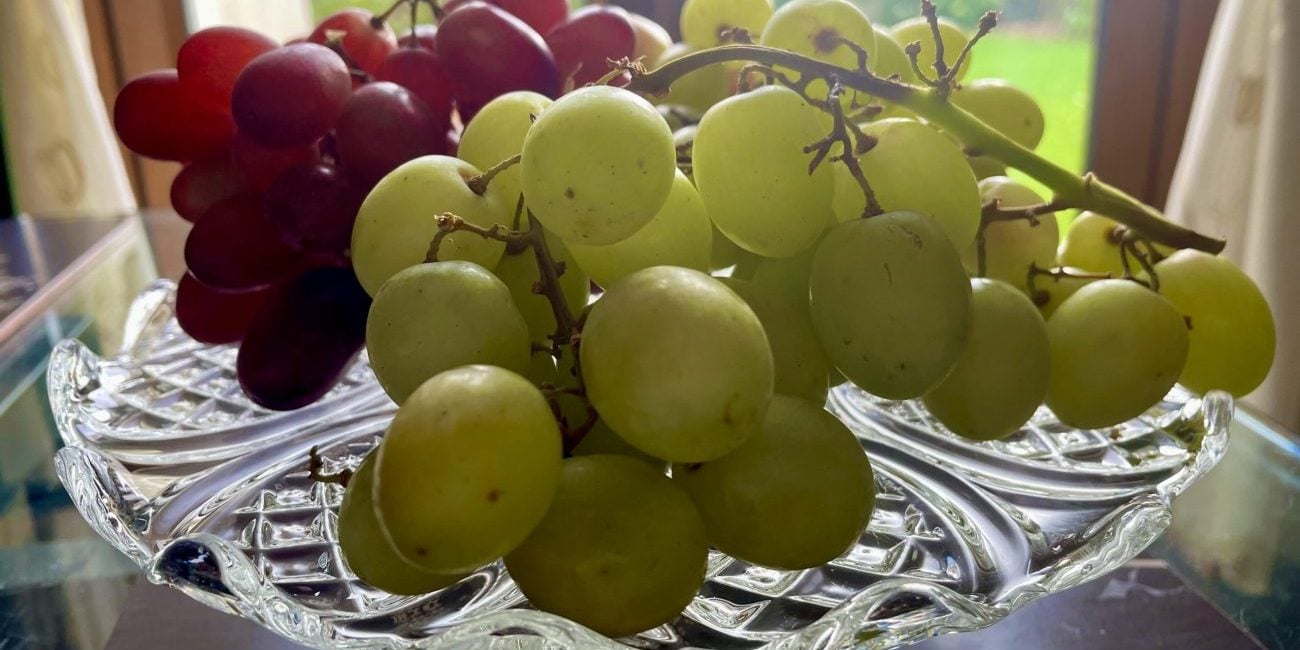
(890, 58)
(786, 277)
(677, 364)
(1051, 291)
(699, 89)
(801, 367)
(396, 224)
(914, 168)
(1117, 348)
(467, 469)
(1003, 107)
(597, 165)
(986, 167)
(369, 553)
(890, 303)
(497, 133)
(794, 496)
(726, 254)
(1232, 337)
(1001, 376)
(812, 27)
(435, 317)
(520, 273)
(753, 175)
(621, 550)
(1011, 247)
(1092, 243)
(704, 21)
(954, 39)
(679, 235)
(602, 440)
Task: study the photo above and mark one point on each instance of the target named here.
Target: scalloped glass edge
(221, 576)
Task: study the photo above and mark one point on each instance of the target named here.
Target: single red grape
(419, 71)
(424, 37)
(384, 126)
(258, 166)
(541, 15)
(216, 317)
(203, 184)
(292, 96)
(234, 247)
(156, 118)
(488, 52)
(314, 207)
(584, 44)
(364, 43)
(210, 61)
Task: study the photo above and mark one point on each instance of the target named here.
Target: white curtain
(282, 20)
(1239, 173)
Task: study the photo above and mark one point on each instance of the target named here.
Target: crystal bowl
(170, 462)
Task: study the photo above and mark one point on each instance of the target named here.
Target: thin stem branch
(378, 21)
(479, 184)
(932, 17)
(850, 148)
(993, 212)
(987, 22)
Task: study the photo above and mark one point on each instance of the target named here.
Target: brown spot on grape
(826, 41)
(493, 495)
(568, 192)
(1188, 320)
(421, 551)
(692, 467)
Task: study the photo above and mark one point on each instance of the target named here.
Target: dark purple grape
(203, 184)
(423, 37)
(384, 126)
(292, 96)
(314, 207)
(303, 339)
(419, 71)
(216, 317)
(488, 52)
(541, 15)
(258, 165)
(210, 61)
(588, 40)
(156, 118)
(234, 247)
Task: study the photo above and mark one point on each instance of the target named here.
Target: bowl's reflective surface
(169, 462)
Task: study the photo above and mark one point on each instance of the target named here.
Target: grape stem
(316, 470)
(993, 212)
(479, 184)
(853, 143)
(1041, 298)
(1085, 192)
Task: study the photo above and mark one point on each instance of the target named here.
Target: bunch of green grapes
(616, 354)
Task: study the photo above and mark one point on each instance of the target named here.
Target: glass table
(1225, 575)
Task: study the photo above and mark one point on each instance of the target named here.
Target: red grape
(488, 52)
(258, 166)
(584, 44)
(215, 317)
(314, 207)
(210, 61)
(362, 41)
(292, 96)
(303, 339)
(419, 71)
(156, 118)
(424, 37)
(541, 15)
(234, 247)
(203, 184)
(384, 126)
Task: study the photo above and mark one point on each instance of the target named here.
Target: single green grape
(1012, 247)
(986, 167)
(679, 235)
(1231, 337)
(751, 171)
(468, 468)
(704, 21)
(367, 550)
(602, 440)
(519, 271)
(890, 303)
(794, 496)
(1092, 243)
(396, 224)
(677, 364)
(952, 37)
(890, 60)
(597, 165)
(1052, 290)
(1117, 348)
(814, 28)
(434, 317)
(497, 132)
(801, 367)
(621, 550)
(1004, 107)
(1001, 376)
(914, 168)
(786, 277)
(699, 89)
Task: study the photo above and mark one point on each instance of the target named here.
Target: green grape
(520, 273)
(497, 133)
(954, 39)
(677, 364)
(753, 175)
(434, 317)
(890, 60)
(914, 168)
(699, 89)
(369, 553)
(726, 254)
(597, 165)
(812, 28)
(986, 167)
(602, 440)
(679, 235)
(1232, 337)
(395, 224)
(1092, 243)
(786, 277)
(890, 303)
(621, 550)
(1001, 376)
(794, 496)
(704, 21)
(801, 367)
(468, 468)
(1012, 247)
(1052, 290)
(1004, 107)
(1117, 348)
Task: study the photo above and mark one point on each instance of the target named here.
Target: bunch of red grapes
(281, 144)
